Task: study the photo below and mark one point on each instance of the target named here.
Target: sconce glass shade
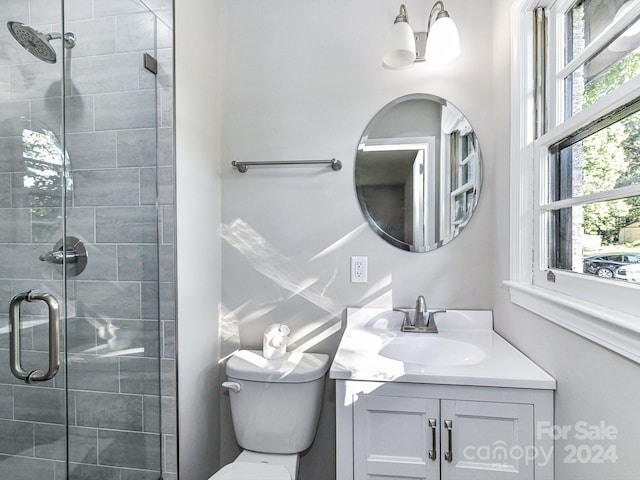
(443, 42)
(400, 50)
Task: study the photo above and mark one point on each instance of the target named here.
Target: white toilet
(275, 407)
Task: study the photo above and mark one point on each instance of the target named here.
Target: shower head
(37, 43)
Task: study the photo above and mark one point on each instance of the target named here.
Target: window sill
(616, 331)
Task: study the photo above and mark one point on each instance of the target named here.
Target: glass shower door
(33, 194)
(113, 331)
(78, 242)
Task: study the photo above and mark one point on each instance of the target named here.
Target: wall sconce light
(439, 44)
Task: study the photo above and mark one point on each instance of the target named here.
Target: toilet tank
(278, 405)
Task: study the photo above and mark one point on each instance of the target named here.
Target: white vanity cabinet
(412, 431)
(461, 404)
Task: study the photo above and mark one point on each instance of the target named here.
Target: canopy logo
(582, 443)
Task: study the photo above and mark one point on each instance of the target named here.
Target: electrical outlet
(359, 269)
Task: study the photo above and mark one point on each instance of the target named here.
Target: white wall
(198, 247)
(594, 384)
(301, 81)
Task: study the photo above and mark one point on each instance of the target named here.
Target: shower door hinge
(150, 63)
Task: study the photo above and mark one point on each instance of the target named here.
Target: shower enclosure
(81, 337)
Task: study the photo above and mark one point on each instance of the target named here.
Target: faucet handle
(431, 320)
(406, 320)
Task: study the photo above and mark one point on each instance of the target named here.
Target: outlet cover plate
(359, 269)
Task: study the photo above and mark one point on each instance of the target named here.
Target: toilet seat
(251, 471)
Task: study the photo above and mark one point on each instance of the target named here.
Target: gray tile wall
(119, 321)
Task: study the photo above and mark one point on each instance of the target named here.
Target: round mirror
(418, 172)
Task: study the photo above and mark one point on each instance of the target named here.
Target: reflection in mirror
(418, 172)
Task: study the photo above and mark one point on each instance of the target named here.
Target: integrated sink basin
(432, 350)
(465, 351)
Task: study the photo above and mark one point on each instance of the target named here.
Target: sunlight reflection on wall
(290, 276)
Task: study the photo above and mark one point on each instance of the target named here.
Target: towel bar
(244, 166)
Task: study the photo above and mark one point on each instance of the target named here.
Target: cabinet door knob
(433, 453)
(448, 425)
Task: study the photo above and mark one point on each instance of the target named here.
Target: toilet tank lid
(294, 367)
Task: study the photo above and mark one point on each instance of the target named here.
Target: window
(593, 196)
(576, 146)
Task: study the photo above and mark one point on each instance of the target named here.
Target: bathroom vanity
(459, 404)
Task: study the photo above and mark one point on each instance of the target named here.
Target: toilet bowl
(275, 407)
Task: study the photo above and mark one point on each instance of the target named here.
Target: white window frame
(561, 297)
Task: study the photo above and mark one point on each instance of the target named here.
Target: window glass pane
(600, 76)
(597, 238)
(607, 159)
(618, 62)
(588, 19)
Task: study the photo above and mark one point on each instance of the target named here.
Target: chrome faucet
(419, 323)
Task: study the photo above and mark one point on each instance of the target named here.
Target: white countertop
(484, 359)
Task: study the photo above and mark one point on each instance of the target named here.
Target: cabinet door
(392, 438)
(488, 441)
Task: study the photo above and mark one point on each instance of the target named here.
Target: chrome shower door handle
(54, 337)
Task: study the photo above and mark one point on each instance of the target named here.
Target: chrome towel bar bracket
(242, 167)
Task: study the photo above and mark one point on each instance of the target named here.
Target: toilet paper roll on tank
(274, 341)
